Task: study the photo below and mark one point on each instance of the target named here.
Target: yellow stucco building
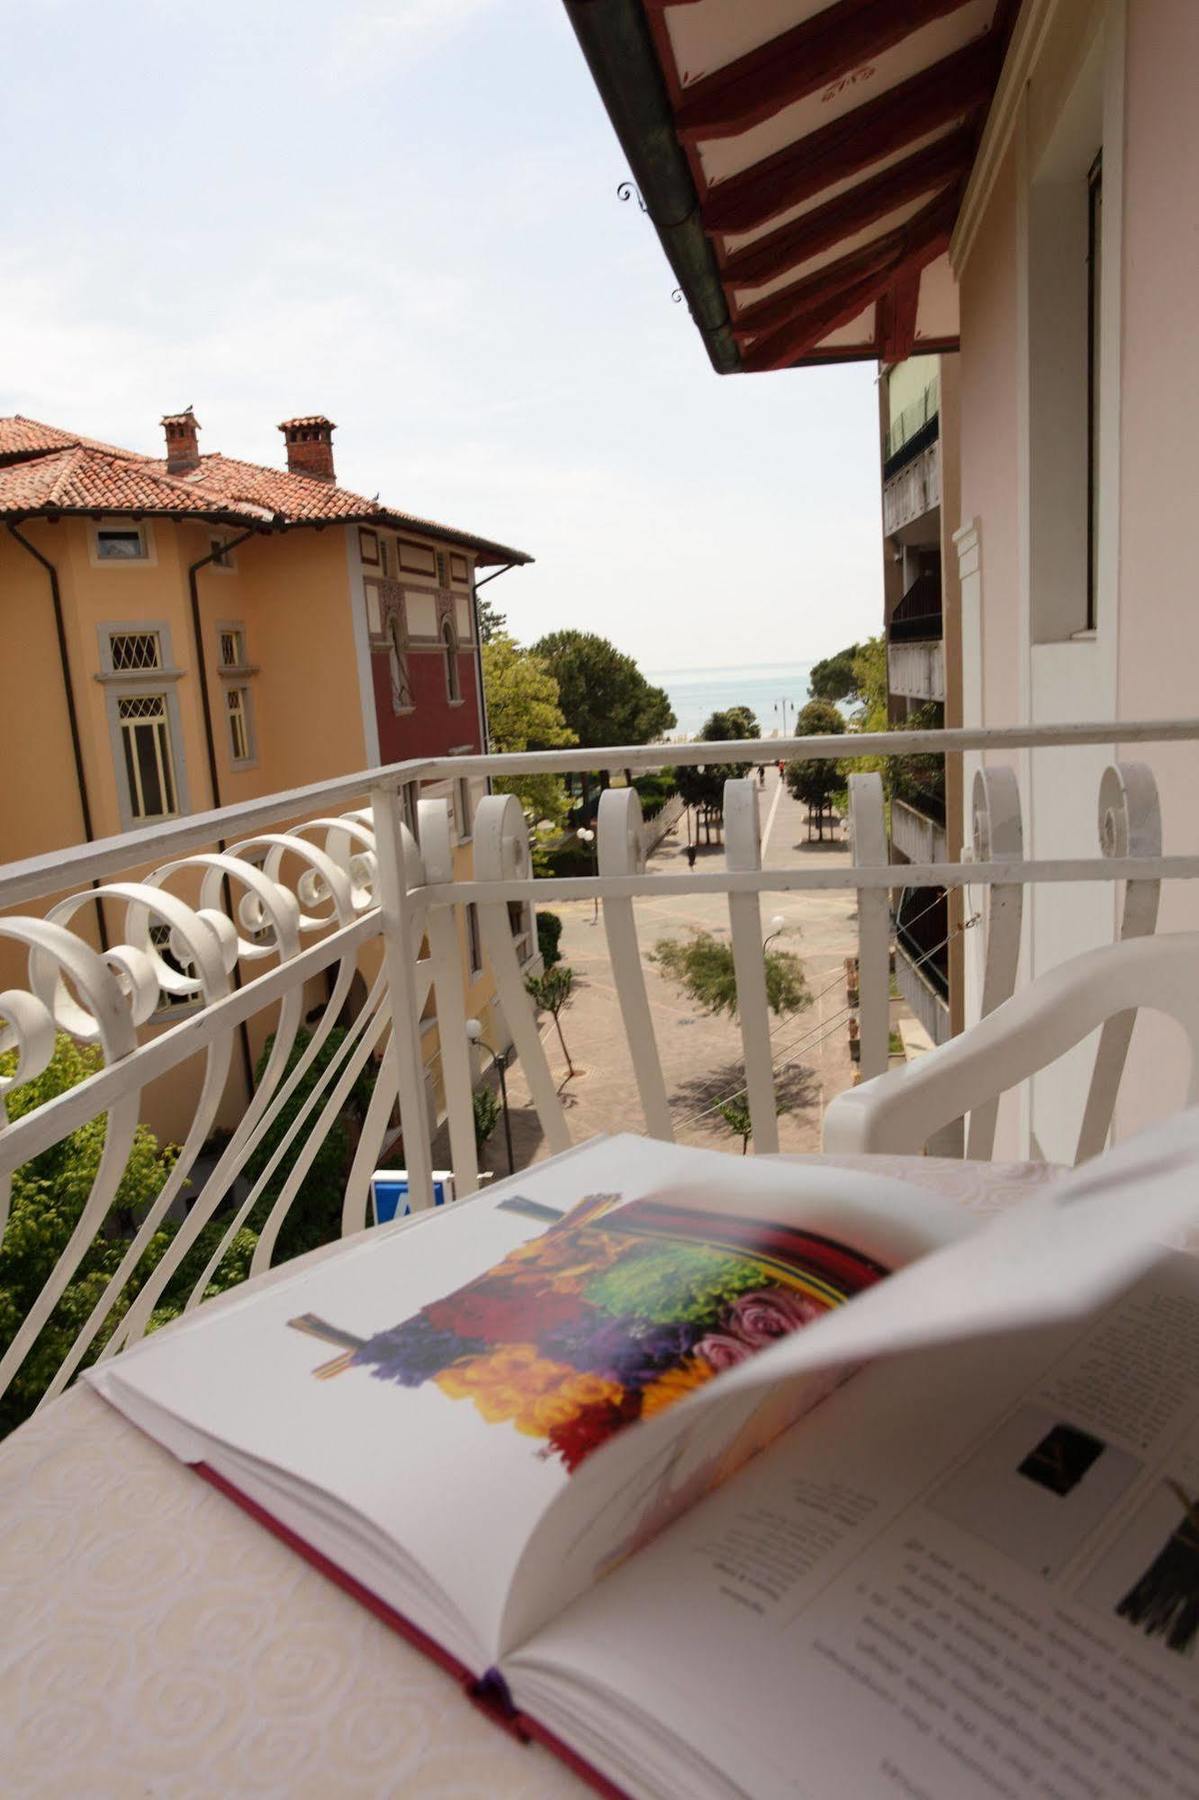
(190, 630)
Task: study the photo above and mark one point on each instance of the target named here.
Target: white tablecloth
(155, 1641)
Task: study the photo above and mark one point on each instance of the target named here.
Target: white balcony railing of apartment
(916, 671)
(917, 837)
(239, 912)
(913, 490)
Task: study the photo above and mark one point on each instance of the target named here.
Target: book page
(1057, 1256)
(442, 1386)
(964, 1576)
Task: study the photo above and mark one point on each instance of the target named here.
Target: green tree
(835, 677)
(523, 714)
(703, 967)
(550, 993)
(49, 1194)
(486, 1112)
(549, 931)
(735, 1113)
(706, 787)
(604, 697)
(817, 782)
(314, 1215)
(919, 779)
(492, 622)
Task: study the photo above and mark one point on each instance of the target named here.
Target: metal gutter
(619, 50)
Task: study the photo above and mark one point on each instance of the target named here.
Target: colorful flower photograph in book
(614, 1313)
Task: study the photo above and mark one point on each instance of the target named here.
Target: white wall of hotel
(1083, 77)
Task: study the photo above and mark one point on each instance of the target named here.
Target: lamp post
(586, 836)
(784, 705)
(777, 923)
(474, 1032)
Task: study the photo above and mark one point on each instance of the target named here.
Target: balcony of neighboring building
(912, 463)
(915, 653)
(922, 957)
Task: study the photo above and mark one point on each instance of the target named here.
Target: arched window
(453, 686)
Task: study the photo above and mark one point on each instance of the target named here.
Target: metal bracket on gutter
(616, 42)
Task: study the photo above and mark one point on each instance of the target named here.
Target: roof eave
(616, 42)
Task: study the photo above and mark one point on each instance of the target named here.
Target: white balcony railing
(916, 671)
(349, 886)
(915, 836)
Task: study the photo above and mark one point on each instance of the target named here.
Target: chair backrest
(900, 1111)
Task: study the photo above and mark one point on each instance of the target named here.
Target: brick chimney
(183, 450)
(310, 446)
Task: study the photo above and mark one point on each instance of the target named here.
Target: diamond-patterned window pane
(135, 650)
(233, 650)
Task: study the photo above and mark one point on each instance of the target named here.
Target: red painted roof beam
(771, 256)
(949, 89)
(780, 349)
(886, 252)
(800, 62)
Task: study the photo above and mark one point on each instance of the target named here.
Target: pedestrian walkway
(701, 1056)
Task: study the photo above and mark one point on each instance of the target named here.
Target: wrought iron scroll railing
(269, 916)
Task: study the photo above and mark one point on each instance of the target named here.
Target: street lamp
(777, 924)
(586, 836)
(474, 1032)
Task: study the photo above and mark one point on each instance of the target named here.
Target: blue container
(389, 1193)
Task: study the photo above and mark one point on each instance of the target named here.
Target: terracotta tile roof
(84, 480)
(44, 469)
(20, 438)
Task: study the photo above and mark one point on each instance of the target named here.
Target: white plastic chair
(899, 1111)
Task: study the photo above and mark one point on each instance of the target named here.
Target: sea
(766, 688)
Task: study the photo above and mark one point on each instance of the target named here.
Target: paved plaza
(701, 1056)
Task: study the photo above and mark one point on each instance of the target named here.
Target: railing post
(392, 841)
(1130, 824)
(743, 851)
(998, 836)
(619, 852)
(874, 924)
(437, 855)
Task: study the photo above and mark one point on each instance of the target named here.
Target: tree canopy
(706, 787)
(492, 622)
(523, 714)
(816, 783)
(703, 967)
(835, 677)
(604, 697)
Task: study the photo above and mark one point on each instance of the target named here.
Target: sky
(403, 214)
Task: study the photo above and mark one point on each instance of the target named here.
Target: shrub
(549, 931)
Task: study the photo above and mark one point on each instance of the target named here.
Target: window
(233, 647)
(473, 940)
(453, 686)
(222, 556)
(120, 543)
(442, 578)
(1094, 305)
(146, 748)
(160, 937)
(237, 705)
(134, 650)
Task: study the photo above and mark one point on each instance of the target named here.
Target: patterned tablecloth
(155, 1641)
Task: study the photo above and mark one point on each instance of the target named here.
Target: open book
(734, 1477)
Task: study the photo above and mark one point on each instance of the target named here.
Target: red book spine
(489, 1692)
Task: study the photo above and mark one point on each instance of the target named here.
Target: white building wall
(1096, 73)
